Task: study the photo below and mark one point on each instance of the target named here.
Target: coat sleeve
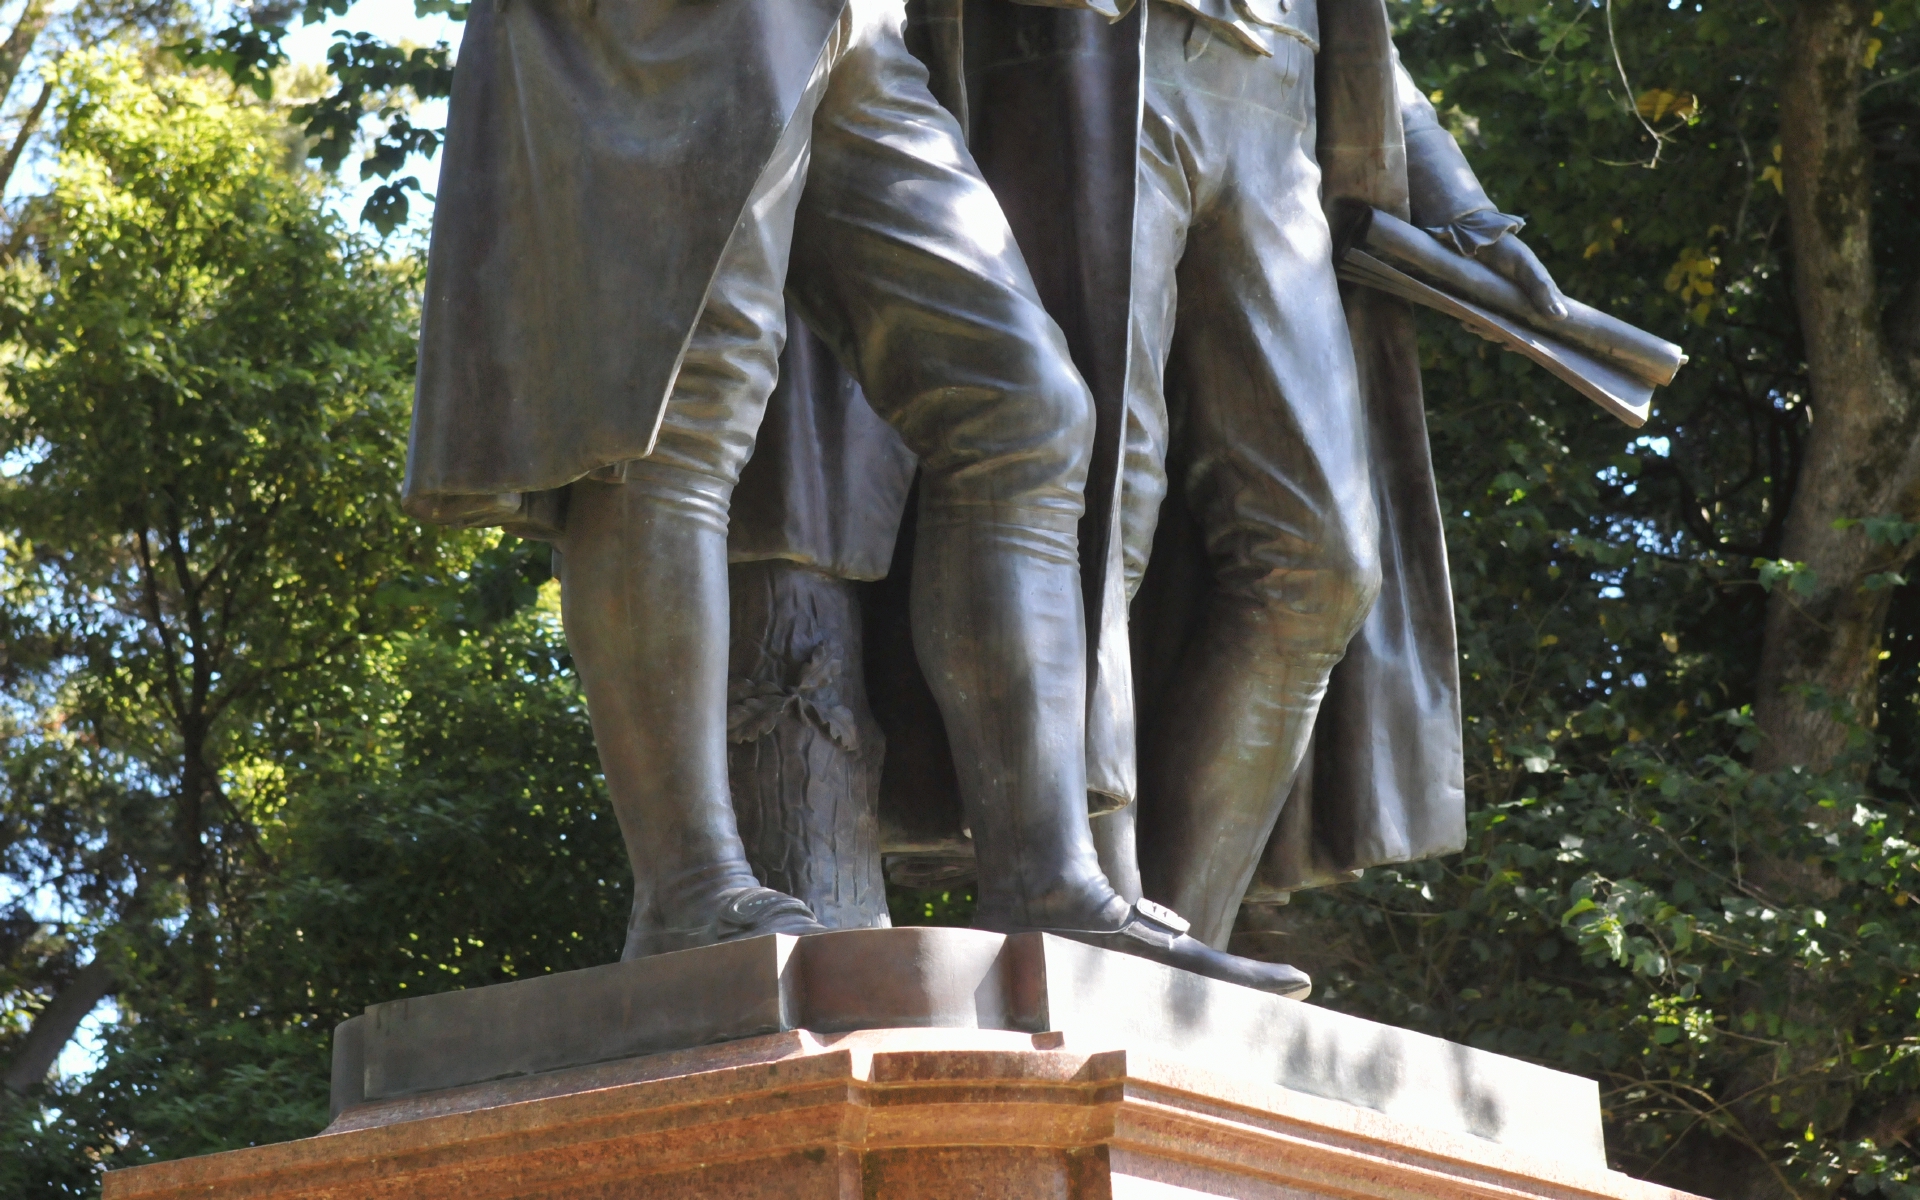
(1446, 196)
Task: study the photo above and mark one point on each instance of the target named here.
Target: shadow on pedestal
(954, 979)
(909, 1064)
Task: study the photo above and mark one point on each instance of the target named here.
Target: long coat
(598, 157)
(1051, 98)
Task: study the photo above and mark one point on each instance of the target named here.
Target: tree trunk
(26, 31)
(1819, 664)
(55, 1027)
(806, 753)
(13, 56)
(1820, 655)
(24, 134)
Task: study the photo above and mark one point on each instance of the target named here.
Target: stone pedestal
(908, 1063)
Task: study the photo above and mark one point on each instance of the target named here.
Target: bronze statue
(627, 190)
(1185, 177)
(1296, 607)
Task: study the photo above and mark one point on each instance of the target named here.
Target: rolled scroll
(1614, 364)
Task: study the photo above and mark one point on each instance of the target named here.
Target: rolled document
(1624, 395)
(1611, 362)
(1414, 250)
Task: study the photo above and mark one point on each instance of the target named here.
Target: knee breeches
(873, 219)
(1241, 362)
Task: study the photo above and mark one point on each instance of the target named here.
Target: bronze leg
(1270, 449)
(644, 588)
(904, 264)
(645, 598)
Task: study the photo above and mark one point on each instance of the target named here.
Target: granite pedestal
(909, 1063)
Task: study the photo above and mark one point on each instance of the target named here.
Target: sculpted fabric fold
(556, 311)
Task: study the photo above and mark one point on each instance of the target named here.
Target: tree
(447, 831)
(1856, 504)
(276, 751)
(41, 33)
(204, 403)
(371, 83)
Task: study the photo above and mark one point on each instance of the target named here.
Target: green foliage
(931, 906)
(1731, 954)
(369, 78)
(269, 747)
(172, 1085)
(453, 833)
(206, 385)
(450, 834)
(206, 394)
(1627, 924)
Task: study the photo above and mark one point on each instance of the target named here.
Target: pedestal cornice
(923, 1113)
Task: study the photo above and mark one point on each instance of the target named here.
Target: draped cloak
(598, 158)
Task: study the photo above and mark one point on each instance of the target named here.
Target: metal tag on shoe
(1162, 915)
(752, 904)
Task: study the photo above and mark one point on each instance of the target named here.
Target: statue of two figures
(959, 450)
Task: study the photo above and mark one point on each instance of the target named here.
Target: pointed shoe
(739, 913)
(1154, 931)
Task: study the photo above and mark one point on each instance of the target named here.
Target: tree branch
(25, 134)
(13, 53)
(56, 1025)
(149, 577)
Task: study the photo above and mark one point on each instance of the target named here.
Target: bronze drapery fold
(551, 334)
(1053, 103)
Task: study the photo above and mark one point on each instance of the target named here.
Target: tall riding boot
(1235, 727)
(644, 594)
(999, 628)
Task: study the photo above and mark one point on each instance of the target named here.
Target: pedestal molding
(831, 1114)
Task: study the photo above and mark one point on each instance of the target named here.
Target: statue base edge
(930, 1114)
(945, 978)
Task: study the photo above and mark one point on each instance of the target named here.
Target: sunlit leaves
(1798, 577)
(1691, 279)
(1657, 104)
(206, 385)
(373, 83)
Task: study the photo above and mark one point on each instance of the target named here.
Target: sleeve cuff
(1473, 232)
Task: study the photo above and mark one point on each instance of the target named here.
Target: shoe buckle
(751, 904)
(1160, 914)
